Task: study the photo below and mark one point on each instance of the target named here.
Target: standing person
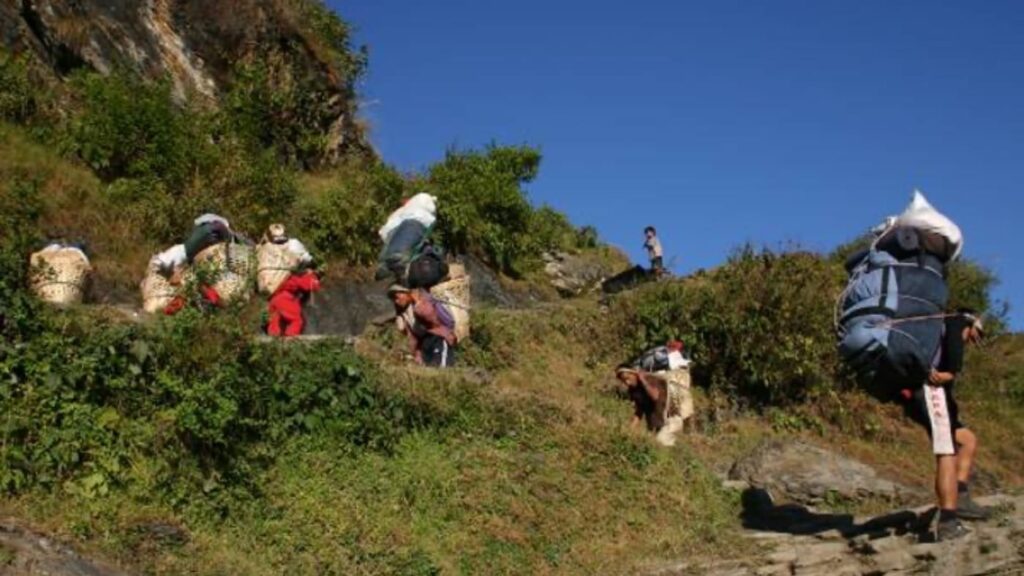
(934, 407)
(427, 324)
(654, 252)
(285, 304)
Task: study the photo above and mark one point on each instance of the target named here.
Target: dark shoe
(950, 530)
(970, 510)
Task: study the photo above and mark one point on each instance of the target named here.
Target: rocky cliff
(200, 46)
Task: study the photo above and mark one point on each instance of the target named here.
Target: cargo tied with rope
(59, 274)
(455, 293)
(890, 317)
(230, 266)
(157, 291)
(274, 264)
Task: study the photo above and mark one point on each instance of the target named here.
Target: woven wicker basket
(274, 263)
(233, 266)
(680, 399)
(59, 276)
(157, 292)
(455, 292)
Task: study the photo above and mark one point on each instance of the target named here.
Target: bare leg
(968, 444)
(945, 481)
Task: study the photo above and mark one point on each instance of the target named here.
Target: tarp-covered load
(892, 313)
(408, 257)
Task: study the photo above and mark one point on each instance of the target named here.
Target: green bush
(18, 95)
(20, 210)
(269, 106)
(484, 210)
(342, 221)
(760, 327)
(129, 128)
(189, 404)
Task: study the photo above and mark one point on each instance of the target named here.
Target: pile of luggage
(890, 318)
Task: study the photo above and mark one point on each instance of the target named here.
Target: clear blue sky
(722, 121)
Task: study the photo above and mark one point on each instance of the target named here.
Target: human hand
(936, 378)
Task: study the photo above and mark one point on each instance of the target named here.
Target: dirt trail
(796, 541)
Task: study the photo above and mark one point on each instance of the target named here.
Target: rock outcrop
(573, 275)
(199, 45)
(799, 472)
(25, 552)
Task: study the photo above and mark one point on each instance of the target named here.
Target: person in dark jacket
(934, 407)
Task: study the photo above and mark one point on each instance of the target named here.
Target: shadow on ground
(761, 513)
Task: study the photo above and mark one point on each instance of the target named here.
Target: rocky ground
(897, 543)
(797, 539)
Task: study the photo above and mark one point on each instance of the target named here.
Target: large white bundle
(275, 263)
(232, 266)
(921, 215)
(421, 207)
(59, 273)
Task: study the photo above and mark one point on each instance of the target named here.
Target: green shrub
(271, 107)
(760, 327)
(18, 95)
(20, 210)
(189, 404)
(484, 210)
(342, 221)
(130, 128)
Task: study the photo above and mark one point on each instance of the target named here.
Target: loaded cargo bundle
(59, 274)
(231, 266)
(455, 293)
(274, 264)
(891, 315)
(409, 257)
(157, 291)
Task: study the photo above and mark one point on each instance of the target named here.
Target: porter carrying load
(890, 317)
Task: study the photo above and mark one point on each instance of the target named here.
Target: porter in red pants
(286, 304)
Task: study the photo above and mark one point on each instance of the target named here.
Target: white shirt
(171, 258)
(299, 249)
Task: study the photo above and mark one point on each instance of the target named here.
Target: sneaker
(968, 509)
(950, 530)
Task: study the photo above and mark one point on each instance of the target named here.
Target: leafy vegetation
(484, 209)
(760, 327)
(313, 458)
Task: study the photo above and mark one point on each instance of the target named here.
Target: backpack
(890, 318)
(661, 359)
(205, 235)
(427, 269)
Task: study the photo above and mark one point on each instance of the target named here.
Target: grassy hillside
(183, 446)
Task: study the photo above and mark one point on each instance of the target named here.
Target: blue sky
(720, 122)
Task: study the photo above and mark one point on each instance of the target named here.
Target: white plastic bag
(924, 217)
(421, 207)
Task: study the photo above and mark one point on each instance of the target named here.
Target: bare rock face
(799, 472)
(573, 275)
(28, 553)
(198, 44)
